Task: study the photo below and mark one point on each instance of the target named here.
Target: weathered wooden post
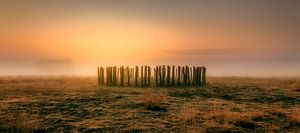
(155, 75)
(173, 75)
(199, 75)
(178, 75)
(176, 72)
(102, 78)
(163, 75)
(128, 76)
(203, 75)
(149, 75)
(98, 70)
(109, 76)
(131, 74)
(106, 70)
(184, 75)
(188, 75)
(160, 76)
(191, 75)
(122, 76)
(114, 76)
(102, 75)
(194, 75)
(168, 75)
(136, 76)
(146, 75)
(99, 76)
(117, 76)
(142, 76)
(131, 71)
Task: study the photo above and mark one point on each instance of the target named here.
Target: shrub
(153, 100)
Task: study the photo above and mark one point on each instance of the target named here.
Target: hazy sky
(230, 37)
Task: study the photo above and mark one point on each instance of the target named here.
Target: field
(78, 104)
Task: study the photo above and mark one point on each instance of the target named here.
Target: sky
(230, 38)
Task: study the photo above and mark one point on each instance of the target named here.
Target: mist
(219, 62)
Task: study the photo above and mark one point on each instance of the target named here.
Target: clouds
(204, 52)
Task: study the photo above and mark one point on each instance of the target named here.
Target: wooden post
(128, 76)
(188, 75)
(155, 75)
(146, 74)
(191, 75)
(102, 75)
(110, 76)
(103, 69)
(106, 70)
(178, 76)
(142, 76)
(98, 70)
(117, 76)
(122, 76)
(160, 76)
(136, 76)
(163, 75)
(131, 75)
(168, 75)
(173, 75)
(199, 75)
(203, 75)
(184, 75)
(114, 76)
(194, 75)
(149, 76)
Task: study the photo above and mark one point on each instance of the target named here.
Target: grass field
(77, 104)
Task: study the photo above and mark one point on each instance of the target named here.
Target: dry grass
(277, 110)
(294, 86)
(24, 123)
(294, 117)
(188, 112)
(77, 104)
(153, 99)
(220, 119)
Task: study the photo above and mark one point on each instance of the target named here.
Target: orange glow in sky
(227, 37)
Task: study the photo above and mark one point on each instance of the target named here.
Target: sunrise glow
(91, 34)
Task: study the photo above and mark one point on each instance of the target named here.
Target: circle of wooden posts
(163, 76)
